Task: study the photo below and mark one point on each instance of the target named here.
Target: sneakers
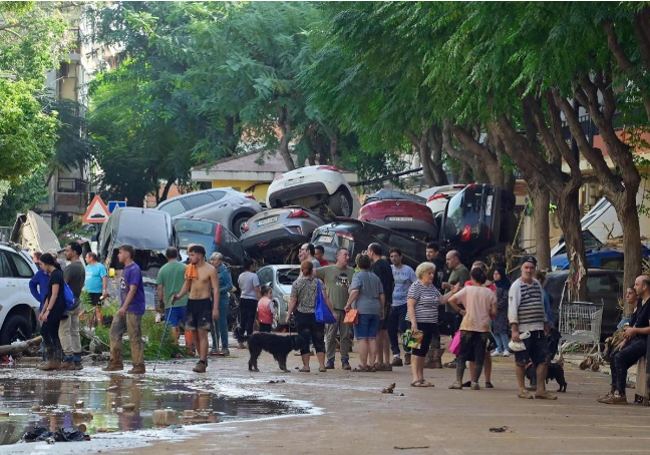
(616, 398)
(506, 353)
(475, 386)
(467, 384)
(407, 358)
(225, 352)
(330, 364)
(346, 365)
(488, 385)
(496, 353)
(200, 367)
(456, 386)
(397, 362)
(606, 396)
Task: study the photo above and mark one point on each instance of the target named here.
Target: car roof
(227, 189)
(192, 218)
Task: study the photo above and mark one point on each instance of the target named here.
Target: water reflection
(119, 403)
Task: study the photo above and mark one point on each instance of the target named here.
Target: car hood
(33, 233)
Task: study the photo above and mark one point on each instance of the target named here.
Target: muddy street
(332, 412)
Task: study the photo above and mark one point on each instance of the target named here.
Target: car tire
(15, 328)
(341, 203)
(238, 225)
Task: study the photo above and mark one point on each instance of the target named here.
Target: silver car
(229, 207)
(279, 278)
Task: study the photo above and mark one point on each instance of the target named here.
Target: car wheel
(341, 203)
(239, 224)
(15, 328)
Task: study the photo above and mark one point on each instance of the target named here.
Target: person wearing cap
(526, 314)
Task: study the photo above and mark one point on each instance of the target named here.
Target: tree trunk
(166, 189)
(628, 216)
(334, 150)
(541, 199)
(568, 209)
(17, 348)
(284, 122)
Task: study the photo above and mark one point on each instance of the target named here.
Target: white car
(438, 196)
(314, 187)
(18, 309)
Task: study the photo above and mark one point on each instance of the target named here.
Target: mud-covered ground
(345, 412)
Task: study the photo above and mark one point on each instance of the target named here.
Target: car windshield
(194, 226)
(463, 209)
(288, 276)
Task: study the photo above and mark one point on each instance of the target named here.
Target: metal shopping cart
(579, 326)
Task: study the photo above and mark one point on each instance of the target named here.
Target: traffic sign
(97, 211)
(112, 205)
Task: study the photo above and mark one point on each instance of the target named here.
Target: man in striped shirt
(527, 316)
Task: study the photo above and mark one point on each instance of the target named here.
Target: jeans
(69, 335)
(343, 330)
(502, 341)
(621, 361)
(397, 324)
(247, 314)
(131, 323)
(222, 324)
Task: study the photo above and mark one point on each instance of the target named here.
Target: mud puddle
(116, 402)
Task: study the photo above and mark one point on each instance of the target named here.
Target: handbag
(322, 311)
(351, 317)
(412, 340)
(454, 347)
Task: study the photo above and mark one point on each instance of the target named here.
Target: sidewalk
(357, 418)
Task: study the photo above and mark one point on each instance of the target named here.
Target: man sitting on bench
(633, 348)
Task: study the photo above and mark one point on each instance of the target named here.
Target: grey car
(225, 205)
(279, 278)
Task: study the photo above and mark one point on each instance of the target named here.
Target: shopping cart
(579, 326)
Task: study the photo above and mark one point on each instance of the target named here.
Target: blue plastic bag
(69, 297)
(323, 313)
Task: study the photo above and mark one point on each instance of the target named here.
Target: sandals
(361, 369)
(421, 383)
(545, 396)
(322, 369)
(304, 370)
(525, 395)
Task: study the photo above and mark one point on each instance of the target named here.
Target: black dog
(278, 345)
(555, 372)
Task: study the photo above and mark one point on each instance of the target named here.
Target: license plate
(325, 239)
(267, 221)
(294, 181)
(488, 205)
(400, 218)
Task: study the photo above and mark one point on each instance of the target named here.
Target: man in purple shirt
(129, 316)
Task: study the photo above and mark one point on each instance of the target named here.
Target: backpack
(69, 297)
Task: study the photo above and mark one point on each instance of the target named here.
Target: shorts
(367, 326)
(199, 315)
(429, 332)
(176, 316)
(536, 350)
(383, 323)
(95, 298)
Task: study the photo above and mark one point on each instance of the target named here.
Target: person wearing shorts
(96, 283)
(381, 267)
(198, 314)
(170, 281)
(526, 314)
(367, 296)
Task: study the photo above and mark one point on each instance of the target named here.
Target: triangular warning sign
(97, 211)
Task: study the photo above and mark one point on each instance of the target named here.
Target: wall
(242, 185)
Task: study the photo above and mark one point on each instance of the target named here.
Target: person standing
(307, 253)
(633, 348)
(96, 285)
(225, 287)
(319, 255)
(265, 310)
(38, 287)
(404, 277)
(75, 276)
(249, 283)
(500, 329)
(432, 253)
(367, 295)
(202, 282)
(479, 304)
(128, 318)
(382, 269)
(337, 279)
(526, 315)
(50, 315)
(170, 281)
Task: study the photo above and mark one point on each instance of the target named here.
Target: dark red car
(403, 212)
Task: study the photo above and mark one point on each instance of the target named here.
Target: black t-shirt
(57, 278)
(643, 318)
(440, 272)
(382, 269)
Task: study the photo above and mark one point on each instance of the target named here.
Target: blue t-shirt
(94, 275)
(132, 276)
(404, 278)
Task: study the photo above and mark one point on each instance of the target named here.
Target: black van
(355, 236)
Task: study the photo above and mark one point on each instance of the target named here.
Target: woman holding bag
(304, 292)
(422, 312)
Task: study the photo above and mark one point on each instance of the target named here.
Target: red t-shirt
(264, 313)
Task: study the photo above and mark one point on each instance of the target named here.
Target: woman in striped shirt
(422, 312)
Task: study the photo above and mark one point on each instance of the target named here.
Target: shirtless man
(201, 279)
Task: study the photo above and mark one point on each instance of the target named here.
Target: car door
(23, 272)
(11, 292)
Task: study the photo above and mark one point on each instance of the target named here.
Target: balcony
(72, 185)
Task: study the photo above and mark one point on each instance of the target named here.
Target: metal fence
(580, 322)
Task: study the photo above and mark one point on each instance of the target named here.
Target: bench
(641, 391)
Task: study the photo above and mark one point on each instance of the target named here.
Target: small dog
(555, 372)
(278, 345)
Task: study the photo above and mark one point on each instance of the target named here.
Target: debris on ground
(279, 381)
(410, 447)
(498, 430)
(19, 347)
(60, 435)
(389, 389)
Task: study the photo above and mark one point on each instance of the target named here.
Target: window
(5, 268)
(197, 200)
(612, 264)
(217, 194)
(231, 247)
(173, 208)
(598, 284)
(266, 276)
(24, 270)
